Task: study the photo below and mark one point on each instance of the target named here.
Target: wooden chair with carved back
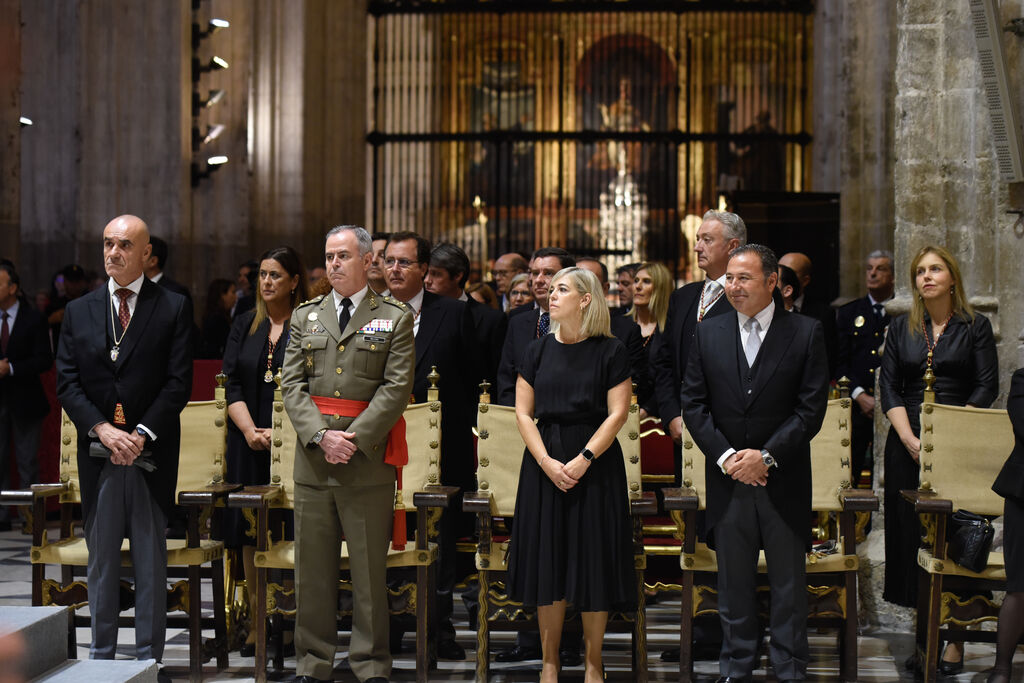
(499, 457)
(962, 451)
(200, 490)
(420, 493)
(832, 566)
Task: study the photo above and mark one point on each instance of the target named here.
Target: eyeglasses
(403, 263)
(501, 273)
(519, 294)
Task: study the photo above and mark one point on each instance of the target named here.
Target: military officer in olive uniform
(861, 330)
(354, 345)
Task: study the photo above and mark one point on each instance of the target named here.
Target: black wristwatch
(769, 461)
(587, 454)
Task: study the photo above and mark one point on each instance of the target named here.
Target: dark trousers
(751, 522)
(19, 436)
(125, 507)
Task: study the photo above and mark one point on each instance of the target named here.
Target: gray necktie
(753, 329)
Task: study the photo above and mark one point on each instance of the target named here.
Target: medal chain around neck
(929, 344)
(268, 376)
(113, 329)
(704, 307)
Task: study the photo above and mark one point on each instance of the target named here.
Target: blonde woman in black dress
(571, 536)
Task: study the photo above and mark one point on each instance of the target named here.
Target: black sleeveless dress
(574, 545)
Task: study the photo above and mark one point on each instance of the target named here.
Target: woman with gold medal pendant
(252, 357)
(941, 333)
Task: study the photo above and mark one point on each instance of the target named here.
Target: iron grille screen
(608, 133)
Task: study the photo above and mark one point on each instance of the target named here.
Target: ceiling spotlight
(25, 121)
(213, 132)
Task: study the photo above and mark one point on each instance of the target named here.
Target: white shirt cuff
(723, 458)
(857, 391)
(152, 436)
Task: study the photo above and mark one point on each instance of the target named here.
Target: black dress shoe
(518, 654)
(731, 679)
(376, 679)
(569, 656)
(310, 679)
(247, 650)
(162, 677)
(449, 649)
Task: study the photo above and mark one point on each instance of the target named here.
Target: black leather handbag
(970, 540)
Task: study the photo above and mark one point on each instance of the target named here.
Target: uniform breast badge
(858, 321)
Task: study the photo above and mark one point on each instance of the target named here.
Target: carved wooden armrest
(208, 495)
(645, 505)
(927, 502)
(680, 498)
(434, 496)
(254, 496)
(858, 500)
(476, 501)
(29, 496)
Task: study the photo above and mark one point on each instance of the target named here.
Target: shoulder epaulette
(395, 302)
(314, 300)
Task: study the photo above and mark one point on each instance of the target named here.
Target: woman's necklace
(929, 344)
(268, 376)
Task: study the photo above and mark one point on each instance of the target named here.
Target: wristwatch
(318, 437)
(140, 430)
(587, 454)
(768, 460)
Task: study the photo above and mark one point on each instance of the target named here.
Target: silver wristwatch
(318, 437)
(768, 460)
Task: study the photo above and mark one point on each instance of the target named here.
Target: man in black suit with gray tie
(754, 395)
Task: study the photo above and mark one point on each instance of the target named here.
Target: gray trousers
(125, 507)
(25, 435)
(749, 523)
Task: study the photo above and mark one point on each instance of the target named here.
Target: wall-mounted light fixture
(211, 165)
(25, 121)
(198, 103)
(215, 64)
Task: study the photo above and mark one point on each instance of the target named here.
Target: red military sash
(395, 453)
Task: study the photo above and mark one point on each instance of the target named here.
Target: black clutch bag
(970, 540)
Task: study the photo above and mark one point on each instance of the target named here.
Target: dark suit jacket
(782, 412)
(670, 348)
(151, 378)
(446, 339)
(826, 315)
(491, 325)
(28, 351)
(176, 287)
(1010, 482)
(628, 332)
(857, 357)
(522, 329)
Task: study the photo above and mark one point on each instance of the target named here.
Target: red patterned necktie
(123, 314)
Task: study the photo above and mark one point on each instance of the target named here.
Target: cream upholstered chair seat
(421, 492)
(962, 451)
(200, 487)
(831, 577)
(500, 450)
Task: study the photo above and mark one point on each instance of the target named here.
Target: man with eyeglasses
(445, 339)
(505, 268)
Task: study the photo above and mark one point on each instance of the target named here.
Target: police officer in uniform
(861, 330)
(348, 374)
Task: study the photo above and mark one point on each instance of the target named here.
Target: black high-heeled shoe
(951, 668)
